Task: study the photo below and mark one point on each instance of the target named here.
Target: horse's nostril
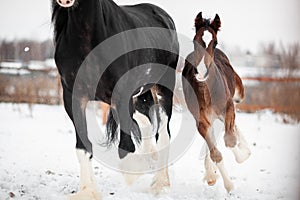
(60, 1)
(68, 2)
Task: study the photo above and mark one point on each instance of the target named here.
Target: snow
(38, 160)
(14, 71)
(267, 72)
(13, 65)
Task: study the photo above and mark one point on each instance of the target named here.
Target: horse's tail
(239, 93)
(111, 127)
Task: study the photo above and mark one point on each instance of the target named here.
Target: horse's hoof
(160, 186)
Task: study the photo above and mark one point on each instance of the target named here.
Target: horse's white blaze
(88, 187)
(161, 178)
(227, 182)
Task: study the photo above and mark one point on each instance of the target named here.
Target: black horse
(80, 26)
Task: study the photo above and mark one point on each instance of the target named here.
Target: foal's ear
(216, 23)
(199, 21)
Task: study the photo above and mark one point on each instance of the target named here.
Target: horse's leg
(241, 151)
(230, 137)
(104, 109)
(146, 153)
(128, 127)
(88, 189)
(161, 177)
(162, 115)
(144, 105)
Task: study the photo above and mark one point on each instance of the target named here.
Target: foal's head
(212, 27)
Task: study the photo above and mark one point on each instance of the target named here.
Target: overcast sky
(245, 23)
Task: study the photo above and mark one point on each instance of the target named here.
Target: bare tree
(289, 57)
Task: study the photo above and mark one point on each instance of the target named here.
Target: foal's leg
(241, 151)
(233, 135)
(75, 107)
(230, 137)
(205, 129)
(210, 170)
(215, 157)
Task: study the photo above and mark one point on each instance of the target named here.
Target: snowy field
(38, 160)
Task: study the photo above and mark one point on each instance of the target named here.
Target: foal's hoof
(230, 140)
(244, 153)
(211, 178)
(229, 187)
(216, 155)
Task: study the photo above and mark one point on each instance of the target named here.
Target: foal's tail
(239, 93)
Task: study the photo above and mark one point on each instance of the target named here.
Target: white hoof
(130, 178)
(160, 185)
(211, 178)
(86, 194)
(241, 153)
(229, 186)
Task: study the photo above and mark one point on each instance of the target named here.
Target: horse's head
(206, 26)
(65, 3)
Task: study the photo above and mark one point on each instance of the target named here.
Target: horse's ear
(216, 23)
(199, 21)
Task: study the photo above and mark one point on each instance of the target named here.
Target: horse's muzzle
(65, 3)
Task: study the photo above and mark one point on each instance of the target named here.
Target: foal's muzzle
(65, 3)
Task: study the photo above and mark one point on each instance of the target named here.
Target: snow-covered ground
(38, 160)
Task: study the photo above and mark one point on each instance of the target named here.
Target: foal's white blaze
(88, 187)
(65, 3)
(202, 68)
